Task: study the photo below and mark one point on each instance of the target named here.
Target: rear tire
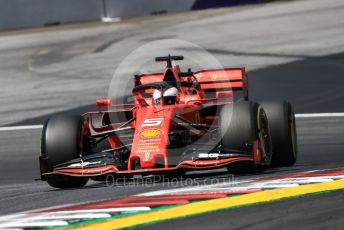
(283, 132)
(62, 141)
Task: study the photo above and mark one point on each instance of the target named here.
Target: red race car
(179, 121)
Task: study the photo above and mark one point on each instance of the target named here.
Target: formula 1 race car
(179, 121)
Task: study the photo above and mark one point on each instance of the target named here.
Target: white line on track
(25, 127)
(31, 224)
(107, 210)
(76, 216)
(60, 218)
(310, 115)
(300, 115)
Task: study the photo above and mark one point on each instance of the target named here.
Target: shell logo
(150, 133)
(214, 76)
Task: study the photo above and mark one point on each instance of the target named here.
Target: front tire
(62, 141)
(240, 125)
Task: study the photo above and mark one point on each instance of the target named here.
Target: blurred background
(30, 13)
(70, 56)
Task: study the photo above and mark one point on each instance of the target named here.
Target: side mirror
(224, 94)
(103, 102)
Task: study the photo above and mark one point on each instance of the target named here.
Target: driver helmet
(170, 96)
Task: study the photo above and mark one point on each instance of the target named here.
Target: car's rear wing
(222, 80)
(211, 81)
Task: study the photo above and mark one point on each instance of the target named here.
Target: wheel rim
(264, 137)
(293, 133)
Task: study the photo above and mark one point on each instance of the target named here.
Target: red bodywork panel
(150, 137)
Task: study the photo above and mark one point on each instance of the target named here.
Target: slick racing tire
(283, 132)
(240, 125)
(62, 141)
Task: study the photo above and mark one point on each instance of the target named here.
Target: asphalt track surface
(305, 68)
